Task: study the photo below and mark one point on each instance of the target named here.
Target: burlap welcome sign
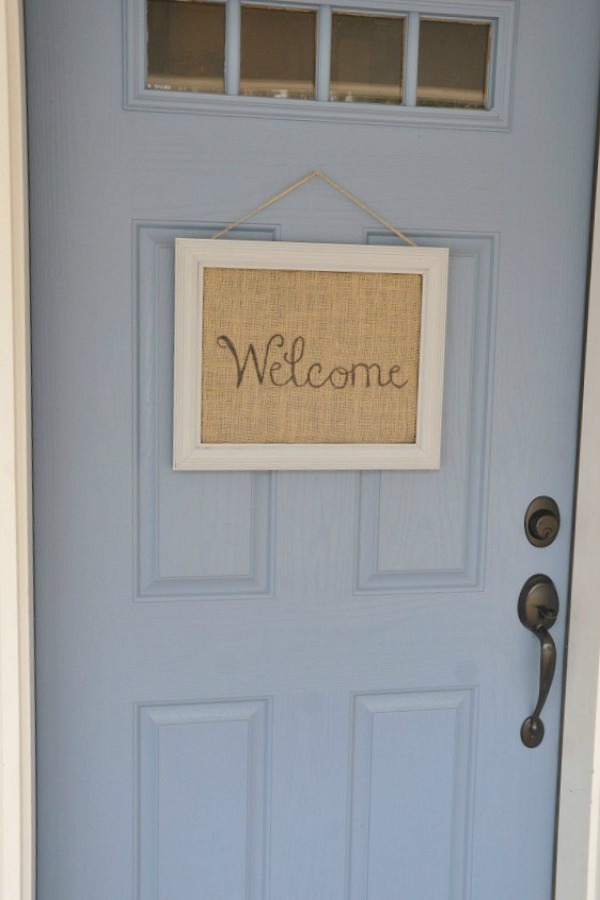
(292, 356)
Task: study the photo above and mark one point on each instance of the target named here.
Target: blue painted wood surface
(302, 686)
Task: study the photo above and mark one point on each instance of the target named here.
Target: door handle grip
(538, 610)
(532, 730)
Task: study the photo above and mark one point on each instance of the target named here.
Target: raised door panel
(196, 537)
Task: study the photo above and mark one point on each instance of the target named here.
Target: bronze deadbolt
(542, 521)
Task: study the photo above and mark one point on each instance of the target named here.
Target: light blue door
(299, 686)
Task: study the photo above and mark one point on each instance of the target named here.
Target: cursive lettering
(289, 368)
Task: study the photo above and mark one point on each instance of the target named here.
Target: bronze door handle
(538, 610)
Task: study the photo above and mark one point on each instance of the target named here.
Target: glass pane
(186, 45)
(453, 64)
(367, 58)
(278, 53)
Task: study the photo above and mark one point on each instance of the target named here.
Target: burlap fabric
(310, 357)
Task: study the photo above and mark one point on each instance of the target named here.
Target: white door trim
(16, 645)
(578, 851)
(578, 872)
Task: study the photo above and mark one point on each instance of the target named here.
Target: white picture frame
(192, 256)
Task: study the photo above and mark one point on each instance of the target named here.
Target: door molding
(578, 875)
(578, 849)
(16, 644)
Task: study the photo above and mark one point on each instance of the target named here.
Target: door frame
(578, 853)
(16, 640)
(578, 825)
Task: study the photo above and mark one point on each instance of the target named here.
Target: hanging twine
(333, 184)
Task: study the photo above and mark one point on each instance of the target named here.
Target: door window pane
(186, 45)
(278, 52)
(367, 58)
(453, 64)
